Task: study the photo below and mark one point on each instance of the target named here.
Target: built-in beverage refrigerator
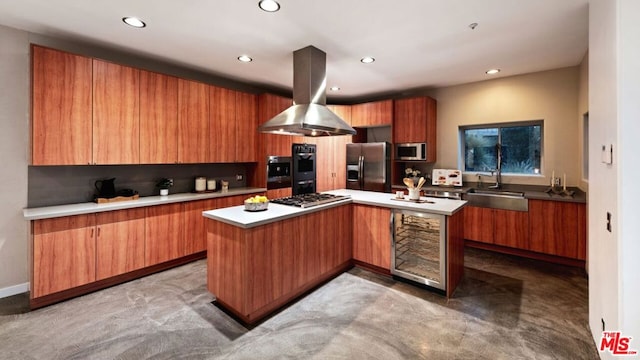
(418, 250)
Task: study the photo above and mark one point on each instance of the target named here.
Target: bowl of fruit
(256, 203)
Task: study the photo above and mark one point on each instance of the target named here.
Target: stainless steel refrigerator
(369, 166)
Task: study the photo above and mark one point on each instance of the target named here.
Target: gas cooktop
(309, 200)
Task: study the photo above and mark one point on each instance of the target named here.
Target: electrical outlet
(608, 221)
(239, 177)
(601, 319)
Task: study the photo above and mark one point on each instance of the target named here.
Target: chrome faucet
(498, 170)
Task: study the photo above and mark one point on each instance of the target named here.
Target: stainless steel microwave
(411, 151)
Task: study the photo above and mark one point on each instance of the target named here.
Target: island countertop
(237, 216)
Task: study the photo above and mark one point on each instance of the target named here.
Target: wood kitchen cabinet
(496, 226)
(331, 155)
(158, 118)
(233, 122)
(116, 113)
(414, 121)
(254, 271)
(478, 224)
(558, 228)
(119, 242)
(372, 236)
(61, 108)
(195, 225)
(193, 122)
(376, 113)
(164, 233)
(270, 144)
(64, 254)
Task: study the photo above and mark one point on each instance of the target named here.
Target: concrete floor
(505, 308)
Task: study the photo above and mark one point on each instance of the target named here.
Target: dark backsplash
(57, 185)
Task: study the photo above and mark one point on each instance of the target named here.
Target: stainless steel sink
(498, 199)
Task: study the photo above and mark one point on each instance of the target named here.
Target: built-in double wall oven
(278, 172)
(303, 161)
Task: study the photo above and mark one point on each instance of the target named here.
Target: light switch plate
(607, 154)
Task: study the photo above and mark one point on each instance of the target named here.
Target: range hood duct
(309, 115)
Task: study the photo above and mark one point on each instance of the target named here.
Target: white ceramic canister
(201, 183)
(414, 194)
(211, 184)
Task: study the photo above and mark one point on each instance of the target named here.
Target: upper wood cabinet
(64, 254)
(377, 113)
(119, 242)
(193, 122)
(269, 106)
(414, 121)
(558, 228)
(246, 127)
(233, 126)
(158, 118)
(116, 114)
(61, 108)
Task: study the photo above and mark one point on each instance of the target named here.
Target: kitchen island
(258, 262)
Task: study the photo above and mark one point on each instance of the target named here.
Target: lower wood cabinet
(119, 242)
(163, 233)
(371, 238)
(254, 271)
(549, 227)
(195, 225)
(64, 254)
(558, 228)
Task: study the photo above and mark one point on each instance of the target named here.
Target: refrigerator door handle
(361, 171)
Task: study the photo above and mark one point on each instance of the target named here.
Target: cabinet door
(324, 164)
(511, 228)
(270, 144)
(64, 254)
(372, 235)
(195, 231)
(478, 224)
(246, 136)
(222, 124)
(193, 122)
(377, 113)
(164, 234)
(116, 114)
(414, 121)
(119, 242)
(61, 108)
(158, 118)
(554, 228)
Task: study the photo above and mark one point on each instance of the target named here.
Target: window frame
(499, 126)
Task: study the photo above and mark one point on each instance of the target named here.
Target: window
(521, 145)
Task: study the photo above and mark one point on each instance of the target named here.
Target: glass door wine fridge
(419, 247)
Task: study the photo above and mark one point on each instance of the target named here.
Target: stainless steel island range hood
(309, 115)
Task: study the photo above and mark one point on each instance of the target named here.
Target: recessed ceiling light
(134, 21)
(334, 88)
(492, 71)
(245, 58)
(367, 60)
(269, 5)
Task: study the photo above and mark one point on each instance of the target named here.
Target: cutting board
(446, 177)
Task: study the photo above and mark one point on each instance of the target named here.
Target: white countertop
(90, 207)
(237, 216)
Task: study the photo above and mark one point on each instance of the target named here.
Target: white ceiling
(416, 43)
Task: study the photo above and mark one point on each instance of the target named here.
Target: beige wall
(549, 95)
(583, 108)
(14, 142)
